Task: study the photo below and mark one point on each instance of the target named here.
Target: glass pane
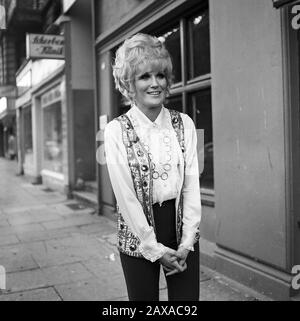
(198, 45)
(174, 103)
(200, 111)
(171, 38)
(52, 138)
(123, 105)
(27, 131)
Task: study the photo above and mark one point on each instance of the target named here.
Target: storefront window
(52, 137)
(191, 92)
(174, 102)
(27, 131)
(199, 107)
(171, 39)
(28, 135)
(198, 45)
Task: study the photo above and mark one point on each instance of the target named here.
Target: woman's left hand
(182, 254)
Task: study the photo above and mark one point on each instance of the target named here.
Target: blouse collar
(144, 121)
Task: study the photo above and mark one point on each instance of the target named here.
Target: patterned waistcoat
(141, 173)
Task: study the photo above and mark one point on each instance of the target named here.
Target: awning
(280, 3)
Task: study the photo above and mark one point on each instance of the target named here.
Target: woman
(152, 162)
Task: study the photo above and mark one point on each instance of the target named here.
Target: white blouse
(159, 139)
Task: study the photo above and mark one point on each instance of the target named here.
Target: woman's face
(150, 86)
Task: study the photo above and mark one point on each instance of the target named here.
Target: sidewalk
(58, 249)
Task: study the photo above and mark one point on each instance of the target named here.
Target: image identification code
(183, 310)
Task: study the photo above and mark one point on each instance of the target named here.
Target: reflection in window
(174, 102)
(27, 131)
(122, 103)
(200, 110)
(198, 45)
(171, 39)
(52, 122)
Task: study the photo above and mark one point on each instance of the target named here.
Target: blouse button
(144, 168)
(132, 247)
(145, 184)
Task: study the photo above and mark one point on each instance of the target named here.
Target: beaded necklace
(166, 164)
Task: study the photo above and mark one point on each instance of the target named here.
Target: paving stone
(22, 209)
(45, 294)
(3, 222)
(38, 278)
(105, 268)
(47, 235)
(16, 259)
(74, 221)
(204, 277)
(28, 228)
(62, 209)
(98, 228)
(213, 290)
(25, 280)
(8, 239)
(92, 290)
(66, 250)
(31, 218)
(68, 273)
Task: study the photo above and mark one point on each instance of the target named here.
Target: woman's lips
(154, 93)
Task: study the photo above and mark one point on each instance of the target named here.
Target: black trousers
(142, 276)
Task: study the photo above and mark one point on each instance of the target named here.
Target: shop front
(41, 119)
(52, 154)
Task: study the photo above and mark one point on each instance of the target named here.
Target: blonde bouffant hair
(140, 49)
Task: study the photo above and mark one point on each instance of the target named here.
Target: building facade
(236, 75)
(54, 103)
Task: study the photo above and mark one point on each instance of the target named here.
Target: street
(57, 249)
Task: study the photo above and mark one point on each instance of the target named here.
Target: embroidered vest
(141, 173)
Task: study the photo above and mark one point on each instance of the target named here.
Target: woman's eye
(144, 76)
(161, 76)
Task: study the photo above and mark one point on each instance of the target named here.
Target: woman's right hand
(169, 261)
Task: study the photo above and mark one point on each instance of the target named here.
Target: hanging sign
(43, 46)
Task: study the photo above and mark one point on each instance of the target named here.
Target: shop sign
(51, 96)
(44, 46)
(67, 4)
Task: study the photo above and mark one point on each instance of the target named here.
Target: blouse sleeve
(122, 184)
(191, 187)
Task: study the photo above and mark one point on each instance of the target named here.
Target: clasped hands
(174, 261)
